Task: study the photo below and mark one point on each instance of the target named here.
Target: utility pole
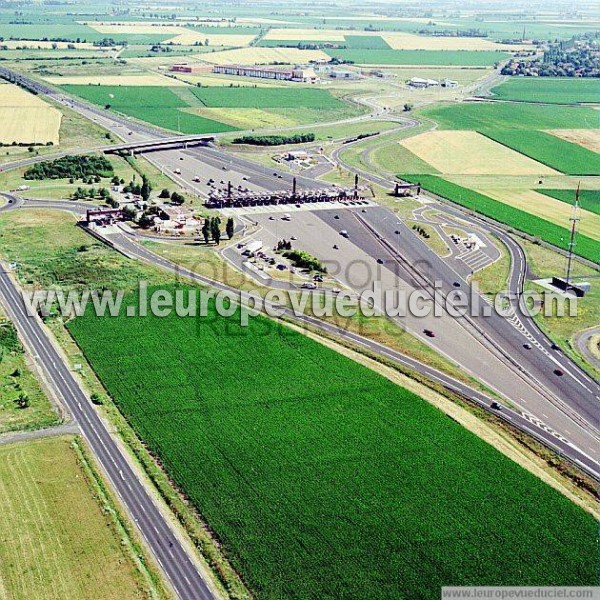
(575, 218)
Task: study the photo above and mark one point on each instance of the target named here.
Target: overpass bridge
(166, 143)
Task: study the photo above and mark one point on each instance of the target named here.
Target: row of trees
(275, 140)
(91, 193)
(211, 230)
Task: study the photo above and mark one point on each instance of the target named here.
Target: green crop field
(153, 104)
(504, 213)
(588, 199)
(352, 42)
(271, 97)
(322, 479)
(466, 58)
(550, 150)
(549, 90)
(496, 116)
(73, 32)
(369, 42)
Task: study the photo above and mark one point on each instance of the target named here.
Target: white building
(418, 82)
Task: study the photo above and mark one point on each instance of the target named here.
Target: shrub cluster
(304, 260)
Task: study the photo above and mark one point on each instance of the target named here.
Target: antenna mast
(575, 218)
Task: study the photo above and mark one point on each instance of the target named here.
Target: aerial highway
(572, 399)
(576, 393)
(128, 244)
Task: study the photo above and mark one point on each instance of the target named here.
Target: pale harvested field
(470, 153)
(210, 80)
(312, 35)
(43, 45)
(180, 35)
(545, 207)
(410, 41)
(264, 56)
(57, 543)
(526, 182)
(245, 118)
(588, 138)
(139, 28)
(188, 38)
(26, 118)
(124, 80)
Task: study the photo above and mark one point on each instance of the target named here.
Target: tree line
(275, 140)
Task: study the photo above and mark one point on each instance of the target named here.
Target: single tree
(215, 229)
(145, 189)
(229, 227)
(206, 230)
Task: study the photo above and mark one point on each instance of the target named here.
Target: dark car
(380, 261)
(429, 333)
(559, 372)
(496, 406)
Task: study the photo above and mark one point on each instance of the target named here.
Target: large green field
(322, 479)
(153, 104)
(73, 32)
(549, 90)
(267, 97)
(482, 116)
(466, 58)
(550, 150)
(588, 199)
(504, 213)
(172, 108)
